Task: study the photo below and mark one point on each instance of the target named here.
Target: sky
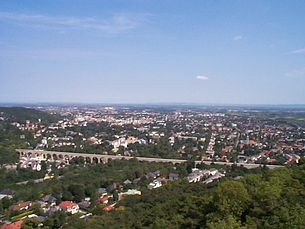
(152, 51)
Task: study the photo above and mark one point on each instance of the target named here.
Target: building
(49, 200)
(21, 206)
(84, 204)
(108, 208)
(173, 176)
(69, 207)
(102, 191)
(130, 192)
(155, 184)
(15, 225)
(7, 193)
(103, 199)
(197, 175)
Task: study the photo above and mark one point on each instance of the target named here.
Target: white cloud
(298, 51)
(115, 23)
(202, 77)
(238, 37)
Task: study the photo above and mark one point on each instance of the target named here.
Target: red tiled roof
(108, 208)
(252, 142)
(67, 204)
(15, 225)
(17, 207)
(102, 199)
(266, 151)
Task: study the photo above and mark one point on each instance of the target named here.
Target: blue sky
(151, 51)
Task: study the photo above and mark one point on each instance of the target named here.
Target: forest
(260, 198)
(11, 137)
(270, 199)
(21, 114)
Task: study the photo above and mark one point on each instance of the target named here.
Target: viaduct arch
(100, 158)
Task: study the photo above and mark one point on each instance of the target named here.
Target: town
(166, 145)
(241, 136)
(155, 114)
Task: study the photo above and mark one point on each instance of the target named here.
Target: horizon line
(152, 103)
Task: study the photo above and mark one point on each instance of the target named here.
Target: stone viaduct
(101, 158)
(89, 158)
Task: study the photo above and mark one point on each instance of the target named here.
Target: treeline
(10, 140)
(21, 114)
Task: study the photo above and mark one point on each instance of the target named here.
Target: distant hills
(21, 114)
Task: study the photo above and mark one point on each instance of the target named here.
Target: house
(84, 204)
(5, 196)
(69, 207)
(21, 206)
(216, 176)
(102, 191)
(93, 140)
(208, 181)
(195, 176)
(114, 186)
(108, 208)
(173, 176)
(49, 199)
(156, 173)
(153, 175)
(227, 149)
(127, 182)
(252, 142)
(155, 183)
(36, 217)
(7, 193)
(15, 225)
(103, 199)
(131, 139)
(130, 192)
(213, 171)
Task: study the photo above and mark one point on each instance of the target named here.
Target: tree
(78, 191)
(231, 197)
(115, 196)
(229, 222)
(6, 202)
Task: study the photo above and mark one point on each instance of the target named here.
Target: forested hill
(21, 114)
(270, 199)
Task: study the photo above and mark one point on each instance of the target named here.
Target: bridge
(88, 157)
(101, 158)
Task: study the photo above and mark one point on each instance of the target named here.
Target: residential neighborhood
(161, 148)
(231, 136)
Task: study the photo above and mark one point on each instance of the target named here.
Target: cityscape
(163, 145)
(236, 136)
(152, 114)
